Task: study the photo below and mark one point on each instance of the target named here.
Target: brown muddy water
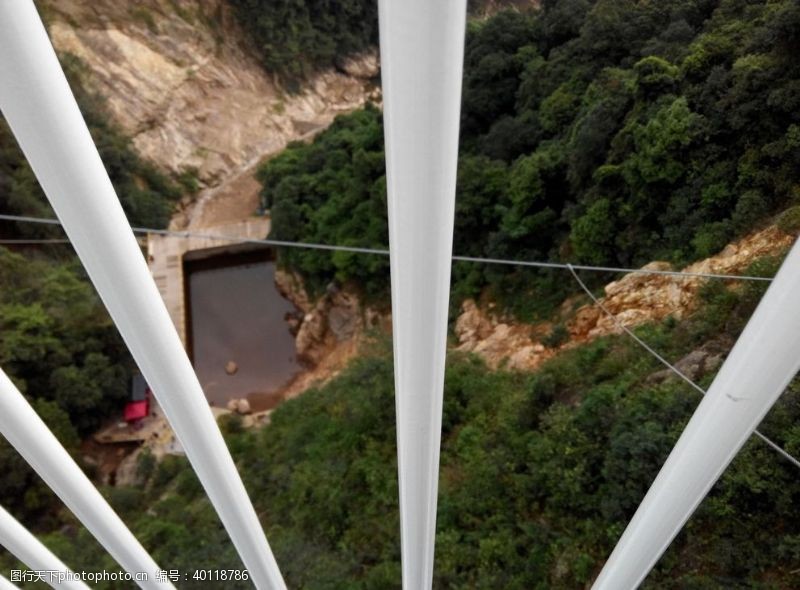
(239, 338)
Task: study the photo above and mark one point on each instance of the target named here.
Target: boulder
(363, 66)
(243, 406)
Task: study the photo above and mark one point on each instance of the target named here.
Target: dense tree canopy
(539, 475)
(295, 37)
(59, 346)
(333, 191)
(56, 340)
(608, 132)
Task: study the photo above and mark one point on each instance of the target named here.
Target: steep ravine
(180, 79)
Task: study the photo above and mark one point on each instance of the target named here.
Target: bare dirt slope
(180, 78)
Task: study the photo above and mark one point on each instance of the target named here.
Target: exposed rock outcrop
(181, 80)
(634, 300)
(336, 317)
(365, 66)
(697, 363)
(499, 343)
(330, 330)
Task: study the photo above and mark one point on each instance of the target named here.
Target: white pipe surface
(27, 433)
(41, 111)
(30, 551)
(422, 50)
(762, 363)
(5, 584)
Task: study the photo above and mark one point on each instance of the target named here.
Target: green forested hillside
(56, 339)
(609, 132)
(539, 475)
(295, 38)
(603, 132)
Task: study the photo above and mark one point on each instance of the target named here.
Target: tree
(297, 37)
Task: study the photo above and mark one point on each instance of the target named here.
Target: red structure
(139, 405)
(135, 411)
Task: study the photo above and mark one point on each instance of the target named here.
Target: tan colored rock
(344, 315)
(498, 342)
(311, 336)
(372, 318)
(365, 65)
(127, 473)
(472, 324)
(192, 94)
(336, 317)
(635, 299)
(584, 321)
(639, 298)
(290, 285)
(243, 406)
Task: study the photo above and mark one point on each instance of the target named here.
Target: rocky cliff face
(328, 331)
(335, 318)
(180, 79)
(634, 300)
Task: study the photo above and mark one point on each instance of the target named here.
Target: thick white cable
(422, 48)
(29, 435)
(5, 584)
(762, 363)
(23, 545)
(42, 113)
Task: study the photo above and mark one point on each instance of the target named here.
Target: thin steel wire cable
(785, 454)
(382, 252)
(554, 265)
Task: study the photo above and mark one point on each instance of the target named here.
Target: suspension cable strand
(21, 543)
(615, 269)
(185, 234)
(24, 242)
(571, 267)
(422, 49)
(41, 111)
(761, 365)
(670, 366)
(28, 434)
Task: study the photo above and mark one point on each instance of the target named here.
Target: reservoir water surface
(240, 341)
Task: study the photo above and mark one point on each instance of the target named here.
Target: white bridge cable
(422, 51)
(761, 365)
(23, 545)
(41, 111)
(30, 436)
(5, 584)
(785, 454)
(186, 234)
